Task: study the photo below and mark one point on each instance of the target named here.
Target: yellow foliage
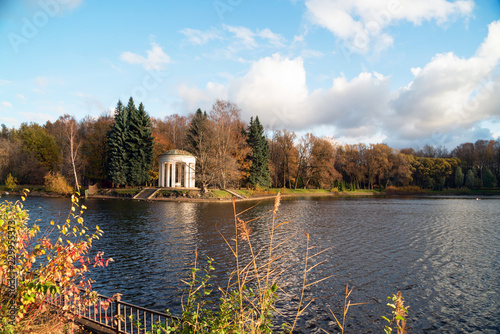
(11, 182)
(55, 182)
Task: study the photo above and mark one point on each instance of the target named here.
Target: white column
(192, 176)
(167, 183)
(160, 176)
(165, 174)
(186, 167)
(173, 174)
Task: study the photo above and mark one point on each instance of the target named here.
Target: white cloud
(274, 88)
(244, 35)
(361, 24)
(194, 98)
(450, 93)
(306, 53)
(448, 102)
(155, 60)
(276, 40)
(198, 37)
(5, 104)
(21, 97)
(4, 82)
(54, 8)
(248, 39)
(354, 107)
(237, 39)
(42, 82)
(41, 118)
(91, 103)
(69, 5)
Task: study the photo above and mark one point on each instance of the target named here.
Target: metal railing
(111, 312)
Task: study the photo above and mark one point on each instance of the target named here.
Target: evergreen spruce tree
(196, 132)
(139, 145)
(478, 182)
(469, 179)
(117, 167)
(259, 170)
(459, 177)
(489, 179)
(130, 146)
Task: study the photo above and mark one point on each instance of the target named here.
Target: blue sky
(403, 72)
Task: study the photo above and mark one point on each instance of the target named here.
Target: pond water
(442, 253)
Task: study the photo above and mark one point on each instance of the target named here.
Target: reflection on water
(444, 254)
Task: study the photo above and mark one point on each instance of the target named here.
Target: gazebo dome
(177, 152)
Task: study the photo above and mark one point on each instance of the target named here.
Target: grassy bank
(219, 194)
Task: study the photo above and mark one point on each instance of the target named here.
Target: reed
(246, 304)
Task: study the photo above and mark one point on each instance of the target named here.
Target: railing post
(116, 298)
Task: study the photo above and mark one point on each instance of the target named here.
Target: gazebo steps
(147, 193)
(235, 194)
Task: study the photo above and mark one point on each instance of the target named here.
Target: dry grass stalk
(347, 305)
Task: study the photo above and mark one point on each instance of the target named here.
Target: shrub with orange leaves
(51, 264)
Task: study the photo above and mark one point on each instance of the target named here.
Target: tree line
(123, 150)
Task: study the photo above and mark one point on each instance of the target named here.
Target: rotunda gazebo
(177, 168)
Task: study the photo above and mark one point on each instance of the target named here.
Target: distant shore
(219, 195)
(248, 198)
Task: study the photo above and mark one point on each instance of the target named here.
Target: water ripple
(443, 254)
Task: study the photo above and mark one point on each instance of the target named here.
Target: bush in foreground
(48, 265)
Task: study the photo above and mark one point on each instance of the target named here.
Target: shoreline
(260, 197)
(228, 199)
(203, 199)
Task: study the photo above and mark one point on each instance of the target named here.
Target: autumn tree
(231, 148)
(175, 129)
(161, 141)
(351, 163)
(38, 155)
(304, 159)
(284, 157)
(94, 153)
(323, 172)
(380, 160)
(466, 153)
(67, 133)
(38, 142)
(402, 171)
(431, 173)
(9, 149)
(199, 143)
(495, 168)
